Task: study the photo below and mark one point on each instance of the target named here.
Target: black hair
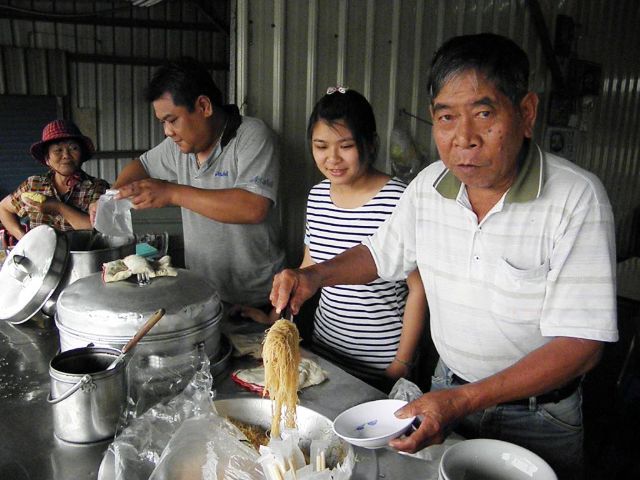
(355, 111)
(498, 58)
(185, 79)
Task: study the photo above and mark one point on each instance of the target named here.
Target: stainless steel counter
(29, 449)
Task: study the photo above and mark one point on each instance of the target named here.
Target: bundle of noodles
(281, 356)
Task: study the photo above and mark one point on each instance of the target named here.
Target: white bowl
(371, 424)
(495, 459)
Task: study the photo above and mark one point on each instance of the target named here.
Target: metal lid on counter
(31, 273)
(117, 309)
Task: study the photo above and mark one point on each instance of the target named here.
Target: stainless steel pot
(86, 397)
(88, 250)
(109, 314)
(91, 312)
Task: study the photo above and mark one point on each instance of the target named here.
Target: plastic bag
(158, 379)
(137, 449)
(208, 447)
(113, 216)
(405, 390)
(185, 434)
(406, 160)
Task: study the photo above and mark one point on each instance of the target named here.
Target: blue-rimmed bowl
(372, 424)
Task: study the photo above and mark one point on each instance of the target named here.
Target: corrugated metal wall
(97, 56)
(291, 50)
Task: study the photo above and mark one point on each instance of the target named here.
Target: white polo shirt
(541, 264)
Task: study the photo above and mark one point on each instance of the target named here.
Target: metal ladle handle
(153, 319)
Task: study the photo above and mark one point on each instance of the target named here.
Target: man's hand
(148, 193)
(437, 411)
(255, 314)
(293, 287)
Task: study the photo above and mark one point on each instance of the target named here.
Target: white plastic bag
(137, 449)
(208, 447)
(406, 159)
(113, 216)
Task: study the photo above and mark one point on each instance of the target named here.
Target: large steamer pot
(88, 250)
(90, 311)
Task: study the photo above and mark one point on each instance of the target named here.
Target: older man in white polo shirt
(516, 250)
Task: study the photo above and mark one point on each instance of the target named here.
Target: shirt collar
(527, 187)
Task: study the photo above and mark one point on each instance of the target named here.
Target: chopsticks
(287, 313)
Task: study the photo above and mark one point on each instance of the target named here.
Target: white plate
(372, 424)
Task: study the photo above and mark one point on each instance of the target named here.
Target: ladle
(153, 319)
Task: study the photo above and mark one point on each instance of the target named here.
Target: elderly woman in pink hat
(65, 190)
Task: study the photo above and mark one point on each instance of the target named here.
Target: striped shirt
(541, 264)
(356, 326)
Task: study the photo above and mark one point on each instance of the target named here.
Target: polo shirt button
(477, 257)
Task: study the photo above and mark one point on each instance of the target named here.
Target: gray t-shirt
(239, 259)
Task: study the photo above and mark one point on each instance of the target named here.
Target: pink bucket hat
(59, 130)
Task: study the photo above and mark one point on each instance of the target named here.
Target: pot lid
(118, 309)
(31, 273)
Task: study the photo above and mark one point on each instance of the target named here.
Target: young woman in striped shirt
(372, 330)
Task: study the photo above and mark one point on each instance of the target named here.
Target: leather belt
(553, 396)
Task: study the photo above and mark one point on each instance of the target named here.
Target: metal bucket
(87, 399)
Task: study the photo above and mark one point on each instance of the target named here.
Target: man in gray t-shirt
(222, 170)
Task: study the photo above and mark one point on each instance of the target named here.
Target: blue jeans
(552, 430)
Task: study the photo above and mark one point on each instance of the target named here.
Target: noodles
(255, 434)
(281, 355)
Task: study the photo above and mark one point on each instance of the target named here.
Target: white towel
(133, 264)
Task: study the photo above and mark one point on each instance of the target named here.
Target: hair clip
(337, 88)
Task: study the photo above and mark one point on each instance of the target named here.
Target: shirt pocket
(518, 294)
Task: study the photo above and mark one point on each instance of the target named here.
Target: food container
(494, 459)
(372, 424)
(45, 261)
(88, 250)
(90, 311)
(311, 426)
(86, 397)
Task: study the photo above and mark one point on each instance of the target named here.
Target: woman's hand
(397, 369)
(50, 206)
